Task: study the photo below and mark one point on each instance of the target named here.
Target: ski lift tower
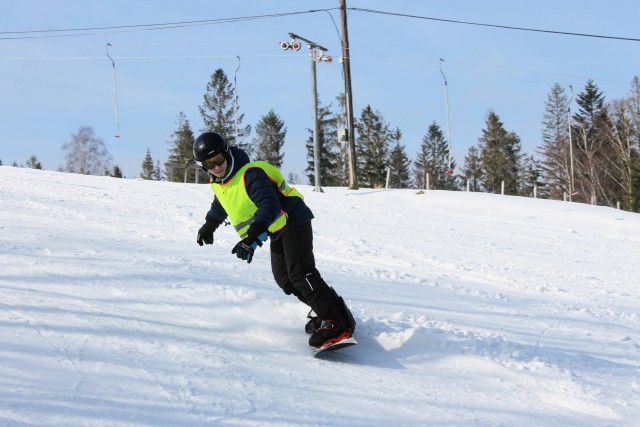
(115, 92)
(316, 54)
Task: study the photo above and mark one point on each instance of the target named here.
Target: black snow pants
(294, 269)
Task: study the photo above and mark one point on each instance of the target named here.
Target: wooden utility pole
(346, 67)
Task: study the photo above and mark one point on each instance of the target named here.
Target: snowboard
(333, 345)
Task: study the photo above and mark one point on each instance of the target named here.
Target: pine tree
(423, 165)
(500, 156)
(147, 166)
(532, 178)
(269, 139)
(329, 176)
(218, 111)
(433, 159)
(86, 153)
(373, 147)
(157, 172)
(180, 151)
(556, 163)
(593, 149)
(116, 173)
(473, 170)
(33, 162)
(399, 163)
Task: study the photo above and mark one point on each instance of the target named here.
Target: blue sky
(51, 86)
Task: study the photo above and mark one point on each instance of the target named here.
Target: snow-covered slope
(472, 309)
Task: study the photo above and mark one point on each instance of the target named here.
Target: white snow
(472, 310)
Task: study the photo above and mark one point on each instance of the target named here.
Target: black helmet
(208, 145)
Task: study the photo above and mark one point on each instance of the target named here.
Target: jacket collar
(236, 159)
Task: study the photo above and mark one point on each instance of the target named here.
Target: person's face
(216, 165)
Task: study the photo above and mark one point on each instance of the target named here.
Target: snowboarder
(260, 205)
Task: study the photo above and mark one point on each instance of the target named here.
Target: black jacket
(264, 194)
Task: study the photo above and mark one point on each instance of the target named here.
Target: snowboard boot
(333, 330)
(329, 331)
(313, 324)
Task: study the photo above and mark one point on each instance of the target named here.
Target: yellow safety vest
(236, 202)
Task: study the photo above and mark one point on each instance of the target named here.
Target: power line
(39, 34)
(506, 27)
(180, 24)
(84, 58)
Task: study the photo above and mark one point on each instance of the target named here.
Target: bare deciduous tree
(87, 154)
(619, 131)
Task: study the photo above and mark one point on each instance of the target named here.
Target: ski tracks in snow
(112, 315)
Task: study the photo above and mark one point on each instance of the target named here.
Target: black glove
(256, 234)
(205, 234)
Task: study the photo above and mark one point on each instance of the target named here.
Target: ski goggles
(214, 161)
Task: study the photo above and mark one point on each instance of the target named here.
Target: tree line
(590, 155)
